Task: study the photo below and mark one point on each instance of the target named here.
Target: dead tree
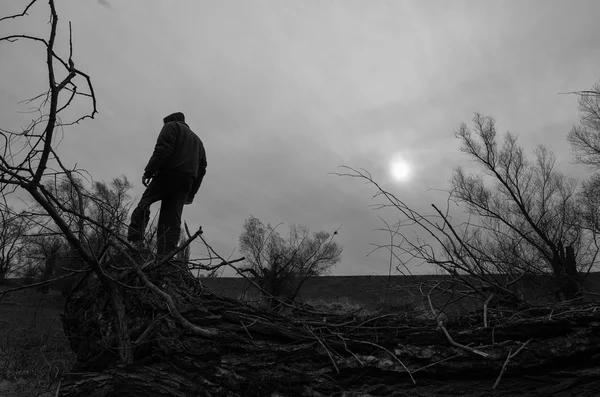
(585, 137)
(30, 162)
(12, 243)
(530, 223)
(281, 266)
(453, 248)
(532, 208)
(144, 327)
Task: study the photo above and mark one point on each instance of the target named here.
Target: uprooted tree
(281, 266)
(29, 162)
(146, 327)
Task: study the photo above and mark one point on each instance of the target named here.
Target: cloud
(106, 4)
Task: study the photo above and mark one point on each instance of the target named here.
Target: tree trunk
(49, 268)
(262, 353)
(2, 273)
(121, 326)
(564, 267)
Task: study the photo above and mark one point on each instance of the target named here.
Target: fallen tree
(188, 340)
(252, 351)
(147, 327)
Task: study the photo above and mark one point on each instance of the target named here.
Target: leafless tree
(96, 212)
(589, 203)
(585, 145)
(585, 138)
(528, 223)
(29, 162)
(530, 218)
(12, 243)
(281, 266)
(435, 238)
(109, 205)
(44, 254)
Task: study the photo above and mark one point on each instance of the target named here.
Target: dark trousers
(172, 192)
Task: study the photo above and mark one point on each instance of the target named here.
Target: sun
(400, 169)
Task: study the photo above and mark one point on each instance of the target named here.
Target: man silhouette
(173, 176)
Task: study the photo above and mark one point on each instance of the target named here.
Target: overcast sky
(284, 92)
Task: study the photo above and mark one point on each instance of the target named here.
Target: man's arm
(202, 164)
(165, 144)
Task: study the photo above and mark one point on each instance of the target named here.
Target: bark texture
(303, 353)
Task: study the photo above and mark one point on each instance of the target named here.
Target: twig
(324, 347)
(206, 333)
(40, 284)
(21, 14)
(592, 308)
(510, 355)
(177, 250)
(148, 331)
(583, 93)
(485, 309)
(241, 273)
(452, 342)
(350, 351)
(437, 362)
(502, 370)
(391, 354)
(58, 388)
(375, 319)
(589, 293)
(246, 328)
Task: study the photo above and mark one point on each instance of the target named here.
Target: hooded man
(173, 176)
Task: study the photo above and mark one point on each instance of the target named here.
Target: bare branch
(21, 14)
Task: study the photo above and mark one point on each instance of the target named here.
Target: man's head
(178, 116)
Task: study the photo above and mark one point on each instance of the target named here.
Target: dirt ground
(26, 388)
(559, 385)
(553, 384)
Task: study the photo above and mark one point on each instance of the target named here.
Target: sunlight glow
(400, 169)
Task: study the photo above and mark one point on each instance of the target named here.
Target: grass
(342, 305)
(345, 305)
(34, 353)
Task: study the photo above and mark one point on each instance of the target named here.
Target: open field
(33, 350)
(372, 291)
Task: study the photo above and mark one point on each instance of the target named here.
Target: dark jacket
(178, 153)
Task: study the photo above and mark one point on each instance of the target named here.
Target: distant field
(368, 291)
(32, 343)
